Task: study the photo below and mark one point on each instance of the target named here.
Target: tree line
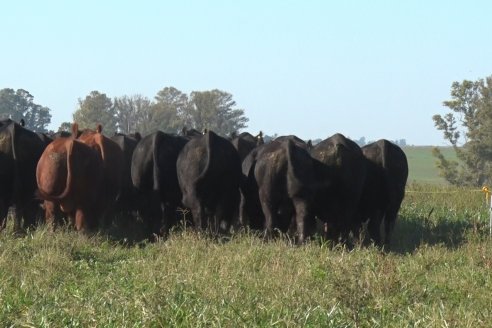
(467, 127)
(467, 124)
(19, 104)
(169, 111)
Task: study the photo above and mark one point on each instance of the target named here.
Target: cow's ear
(75, 130)
(259, 139)
(99, 128)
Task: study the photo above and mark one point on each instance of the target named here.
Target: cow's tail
(75, 131)
(294, 155)
(249, 168)
(68, 183)
(209, 136)
(156, 173)
(391, 211)
(290, 154)
(384, 154)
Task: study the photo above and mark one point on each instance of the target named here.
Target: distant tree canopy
(133, 113)
(361, 141)
(95, 109)
(19, 104)
(65, 127)
(170, 111)
(468, 128)
(215, 110)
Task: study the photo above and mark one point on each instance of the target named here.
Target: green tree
(95, 109)
(169, 110)
(19, 105)
(65, 126)
(214, 110)
(134, 113)
(468, 128)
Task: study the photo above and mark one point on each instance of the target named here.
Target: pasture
(436, 274)
(421, 163)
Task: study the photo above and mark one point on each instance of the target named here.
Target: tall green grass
(437, 274)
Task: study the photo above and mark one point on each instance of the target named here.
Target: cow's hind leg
(374, 228)
(168, 221)
(270, 212)
(85, 220)
(151, 214)
(4, 211)
(199, 216)
(304, 222)
(389, 224)
(18, 218)
(29, 214)
(227, 211)
(50, 214)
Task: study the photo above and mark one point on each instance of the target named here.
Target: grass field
(422, 167)
(437, 274)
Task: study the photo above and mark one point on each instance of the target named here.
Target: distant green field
(422, 165)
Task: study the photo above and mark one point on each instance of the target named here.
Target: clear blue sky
(378, 69)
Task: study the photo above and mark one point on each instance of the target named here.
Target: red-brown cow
(112, 162)
(69, 176)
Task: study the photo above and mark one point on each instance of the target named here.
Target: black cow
(277, 192)
(126, 201)
(45, 138)
(190, 133)
(245, 142)
(153, 173)
(250, 212)
(209, 172)
(298, 141)
(20, 150)
(340, 171)
(385, 187)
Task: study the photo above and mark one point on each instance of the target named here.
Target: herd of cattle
(286, 184)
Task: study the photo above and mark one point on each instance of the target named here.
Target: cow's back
(209, 173)
(340, 176)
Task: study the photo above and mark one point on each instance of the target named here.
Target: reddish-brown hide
(69, 177)
(112, 164)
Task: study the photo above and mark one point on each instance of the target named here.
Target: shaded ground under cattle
(410, 233)
(430, 215)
